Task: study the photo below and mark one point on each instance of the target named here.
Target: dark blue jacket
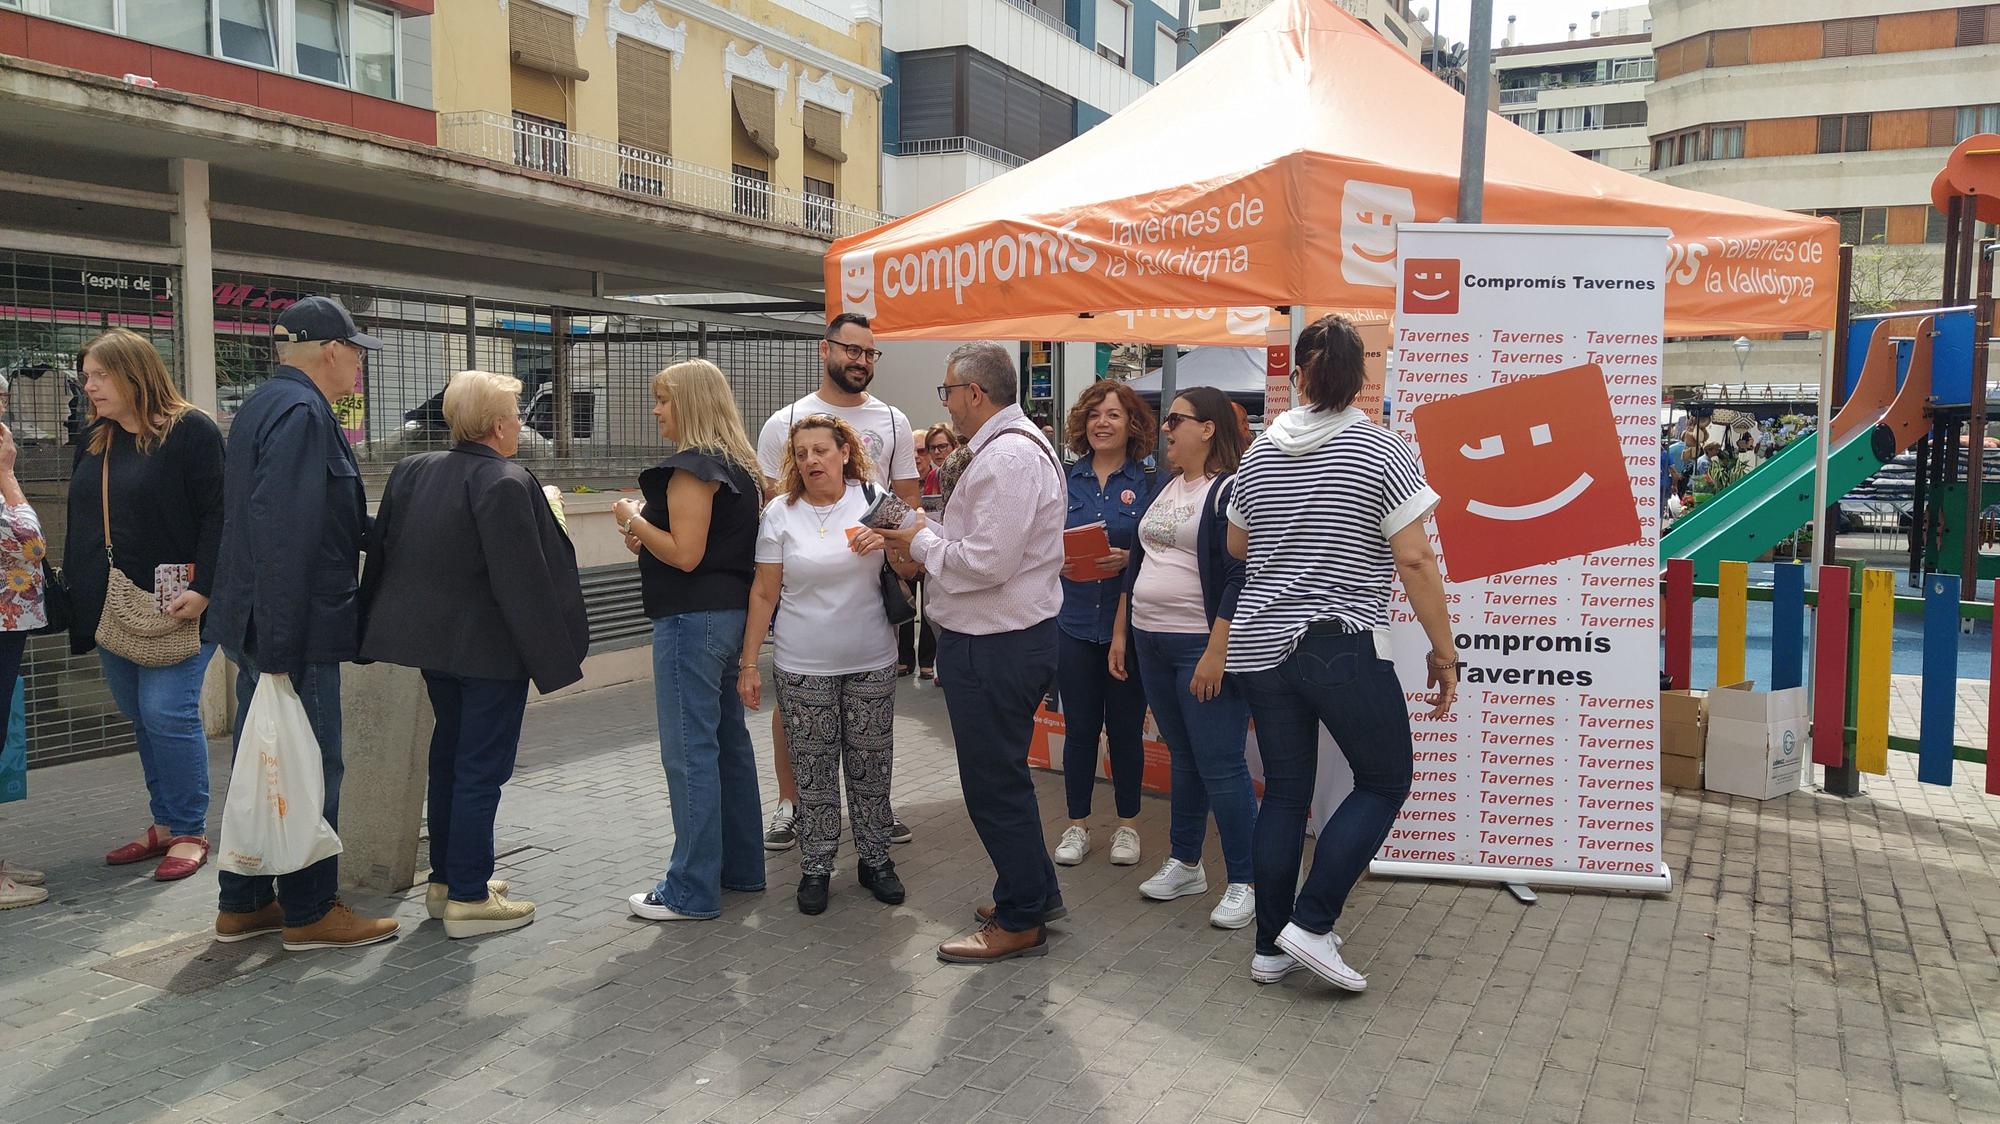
(1221, 571)
(1090, 608)
(294, 524)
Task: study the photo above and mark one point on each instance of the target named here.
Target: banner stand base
(1522, 893)
(1660, 882)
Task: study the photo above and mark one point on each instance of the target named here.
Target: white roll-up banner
(1526, 374)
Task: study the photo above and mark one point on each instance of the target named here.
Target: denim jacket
(1089, 608)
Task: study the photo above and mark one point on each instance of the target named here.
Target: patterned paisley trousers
(831, 722)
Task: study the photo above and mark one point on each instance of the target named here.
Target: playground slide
(1878, 421)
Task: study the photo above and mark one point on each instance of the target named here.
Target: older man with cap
(991, 564)
(286, 592)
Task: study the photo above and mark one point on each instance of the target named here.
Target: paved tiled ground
(1818, 960)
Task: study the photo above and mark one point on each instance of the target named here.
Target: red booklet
(1082, 547)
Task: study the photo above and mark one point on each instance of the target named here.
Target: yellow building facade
(767, 109)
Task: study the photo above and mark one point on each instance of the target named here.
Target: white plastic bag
(274, 821)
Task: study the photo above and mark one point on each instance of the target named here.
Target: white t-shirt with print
(1167, 596)
(832, 622)
(885, 433)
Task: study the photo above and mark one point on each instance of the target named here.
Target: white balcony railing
(546, 147)
(942, 146)
(1029, 7)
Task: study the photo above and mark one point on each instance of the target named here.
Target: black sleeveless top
(721, 580)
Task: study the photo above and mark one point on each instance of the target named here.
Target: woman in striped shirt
(1328, 511)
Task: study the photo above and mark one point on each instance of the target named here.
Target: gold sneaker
(496, 914)
(437, 893)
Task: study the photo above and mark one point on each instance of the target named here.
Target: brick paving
(1819, 960)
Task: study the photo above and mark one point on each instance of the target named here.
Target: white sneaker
(1125, 847)
(1175, 880)
(1322, 955)
(1237, 908)
(782, 833)
(653, 909)
(1075, 844)
(1271, 969)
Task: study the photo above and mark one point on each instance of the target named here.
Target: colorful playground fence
(1854, 610)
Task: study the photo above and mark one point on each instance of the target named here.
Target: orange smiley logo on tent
(1528, 472)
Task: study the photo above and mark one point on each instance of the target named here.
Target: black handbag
(899, 600)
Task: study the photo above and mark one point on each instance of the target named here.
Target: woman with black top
(696, 538)
(163, 461)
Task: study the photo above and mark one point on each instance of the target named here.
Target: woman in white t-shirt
(1180, 592)
(835, 663)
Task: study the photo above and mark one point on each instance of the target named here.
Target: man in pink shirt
(992, 563)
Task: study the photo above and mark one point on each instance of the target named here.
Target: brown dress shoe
(233, 927)
(340, 928)
(991, 944)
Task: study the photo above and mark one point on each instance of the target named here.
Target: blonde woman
(836, 654)
(696, 538)
(162, 459)
(472, 579)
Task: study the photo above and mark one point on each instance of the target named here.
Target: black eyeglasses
(945, 389)
(937, 450)
(856, 351)
(1173, 421)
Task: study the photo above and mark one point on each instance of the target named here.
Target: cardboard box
(1683, 725)
(1756, 741)
(1680, 772)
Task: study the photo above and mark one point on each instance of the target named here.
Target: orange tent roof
(1270, 171)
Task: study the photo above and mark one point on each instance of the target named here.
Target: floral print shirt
(22, 607)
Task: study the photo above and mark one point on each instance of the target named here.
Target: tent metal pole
(1170, 362)
(1478, 92)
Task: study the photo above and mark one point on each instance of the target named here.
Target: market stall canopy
(1271, 171)
(1235, 371)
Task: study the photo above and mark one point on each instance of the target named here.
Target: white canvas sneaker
(1075, 844)
(1237, 908)
(1270, 969)
(1125, 847)
(1321, 954)
(1175, 880)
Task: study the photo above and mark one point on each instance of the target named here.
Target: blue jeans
(711, 769)
(164, 704)
(306, 894)
(1206, 741)
(472, 754)
(1091, 701)
(1336, 680)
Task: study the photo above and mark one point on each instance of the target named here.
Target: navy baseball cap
(316, 319)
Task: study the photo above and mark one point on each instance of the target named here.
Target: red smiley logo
(1528, 472)
(1430, 285)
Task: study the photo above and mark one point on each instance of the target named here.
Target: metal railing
(557, 151)
(942, 146)
(1029, 7)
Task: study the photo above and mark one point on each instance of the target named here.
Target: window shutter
(1971, 27)
(1730, 48)
(757, 108)
(1024, 117)
(540, 93)
(986, 102)
(1829, 134)
(1941, 129)
(928, 85)
(543, 40)
(1857, 132)
(1861, 36)
(1058, 121)
(1834, 39)
(644, 104)
(823, 132)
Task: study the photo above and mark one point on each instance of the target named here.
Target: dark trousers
(916, 642)
(472, 755)
(307, 894)
(13, 645)
(992, 685)
(1093, 701)
(1336, 680)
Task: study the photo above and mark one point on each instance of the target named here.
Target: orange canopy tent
(1271, 172)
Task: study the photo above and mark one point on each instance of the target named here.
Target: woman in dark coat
(473, 580)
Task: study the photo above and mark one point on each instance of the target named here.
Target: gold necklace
(823, 516)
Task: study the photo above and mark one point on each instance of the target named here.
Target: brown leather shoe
(991, 944)
(340, 928)
(232, 927)
(1052, 910)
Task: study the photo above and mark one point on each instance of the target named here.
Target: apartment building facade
(1848, 114)
(1401, 22)
(1586, 93)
